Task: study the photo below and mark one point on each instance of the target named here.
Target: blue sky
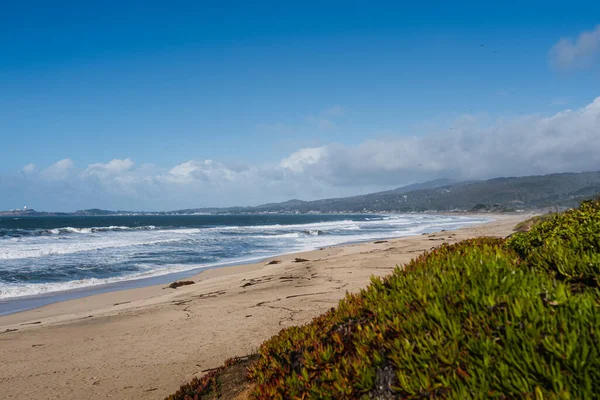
(162, 105)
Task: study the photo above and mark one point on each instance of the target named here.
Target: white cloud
(297, 161)
(199, 171)
(59, 170)
(29, 168)
(475, 148)
(112, 167)
(578, 53)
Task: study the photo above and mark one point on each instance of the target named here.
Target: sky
(169, 105)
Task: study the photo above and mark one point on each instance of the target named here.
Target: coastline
(144, 342)
(79, 289)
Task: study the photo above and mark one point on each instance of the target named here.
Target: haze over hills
(560, 191)
(499, 194)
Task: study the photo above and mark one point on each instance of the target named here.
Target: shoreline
(18, 304)
(145, 342)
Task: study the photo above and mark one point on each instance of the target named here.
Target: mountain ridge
(534, 192)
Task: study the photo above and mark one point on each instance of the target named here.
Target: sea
(49, 259)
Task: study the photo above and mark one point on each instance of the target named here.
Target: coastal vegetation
(484, 318)
(525, 226)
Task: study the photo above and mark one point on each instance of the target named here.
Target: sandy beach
(144, 343)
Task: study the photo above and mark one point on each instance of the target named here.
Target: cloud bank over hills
(473, 147)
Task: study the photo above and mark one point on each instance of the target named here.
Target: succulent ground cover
(484, 318)
(528, 224)
(227, 382)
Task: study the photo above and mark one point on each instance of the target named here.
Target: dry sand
(144, 343)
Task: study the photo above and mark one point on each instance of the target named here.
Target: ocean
(46, 257)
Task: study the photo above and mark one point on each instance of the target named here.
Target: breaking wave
(45, 255)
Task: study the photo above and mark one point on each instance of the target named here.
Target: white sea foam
(8, 291)
(70, 229)
(293, 235)
(30, 252)
(345, 224)
(32, 289)
(35, 247)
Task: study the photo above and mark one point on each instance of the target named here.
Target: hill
(538, 192)
(500, 194)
